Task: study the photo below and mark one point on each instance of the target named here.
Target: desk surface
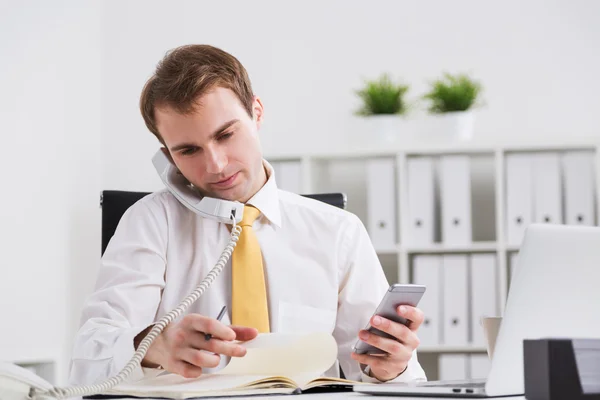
(346, 395)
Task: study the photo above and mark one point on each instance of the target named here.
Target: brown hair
(188, 72)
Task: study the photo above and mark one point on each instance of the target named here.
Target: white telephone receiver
(17, 383)
(209, 207)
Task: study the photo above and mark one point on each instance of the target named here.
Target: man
(316, 268)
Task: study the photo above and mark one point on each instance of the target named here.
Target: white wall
(49, 217)
(538, 61)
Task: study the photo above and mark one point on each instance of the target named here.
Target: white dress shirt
(321, 271)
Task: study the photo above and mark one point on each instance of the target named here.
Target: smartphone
(398, 294)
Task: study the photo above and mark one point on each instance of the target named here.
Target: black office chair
(114, 203)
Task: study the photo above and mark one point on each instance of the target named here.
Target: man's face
(216, 148)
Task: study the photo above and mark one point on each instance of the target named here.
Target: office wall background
(51, 124)
(72, 71)
(537, 60)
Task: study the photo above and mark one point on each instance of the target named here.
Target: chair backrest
(114, 203)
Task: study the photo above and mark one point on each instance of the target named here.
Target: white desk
(345, 395)
(342, 395)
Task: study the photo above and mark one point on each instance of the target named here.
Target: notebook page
(301, 357)
(285, 354)
(170, 384)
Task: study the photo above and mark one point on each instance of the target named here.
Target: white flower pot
(457, 125)
(384, 128)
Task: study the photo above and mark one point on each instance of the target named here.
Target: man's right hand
(182, 349)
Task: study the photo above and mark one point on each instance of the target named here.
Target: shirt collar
(267, 198)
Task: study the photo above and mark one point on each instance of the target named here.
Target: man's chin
(233, 194)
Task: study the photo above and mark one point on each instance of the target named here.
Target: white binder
(288, 175)
(519, 208)
(421, 200)
(455, 311)
(455, 195)
(479, 366)
(381, 202)
(483, 293)
(453, 367)
(578, 167)
(427, 271)
(547, 194)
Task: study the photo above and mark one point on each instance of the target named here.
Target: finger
(199, 358)
(411, 340)
(185, 369)
(390, 346)
(413, 314)
(225, 348)
(397, 330)
(197, 341)
(244, 333)
(200, 323)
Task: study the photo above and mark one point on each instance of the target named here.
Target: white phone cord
(62, 393)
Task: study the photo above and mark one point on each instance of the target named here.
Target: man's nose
(216, 160)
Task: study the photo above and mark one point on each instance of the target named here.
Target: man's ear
(257, 111)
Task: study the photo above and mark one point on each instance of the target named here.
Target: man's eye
(225, 136)
(189, 151)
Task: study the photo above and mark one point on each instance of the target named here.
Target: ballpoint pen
(207, 336)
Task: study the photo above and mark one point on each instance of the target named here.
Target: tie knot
(250, 215)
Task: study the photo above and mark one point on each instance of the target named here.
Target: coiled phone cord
(62, 393)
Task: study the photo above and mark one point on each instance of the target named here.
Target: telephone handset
(178, 185)
(17, 383)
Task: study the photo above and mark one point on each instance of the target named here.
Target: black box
(562, 369)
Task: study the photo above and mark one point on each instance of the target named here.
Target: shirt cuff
(404, 377)
(123, 352)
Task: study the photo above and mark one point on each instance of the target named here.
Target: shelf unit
(452, 349)
(313, 165)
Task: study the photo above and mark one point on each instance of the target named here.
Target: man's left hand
(399, 352)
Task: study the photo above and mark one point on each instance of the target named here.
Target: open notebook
(274, 363)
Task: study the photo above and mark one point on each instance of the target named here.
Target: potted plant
(382, 105)
(452, 100)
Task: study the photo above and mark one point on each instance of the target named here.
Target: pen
(207, 336)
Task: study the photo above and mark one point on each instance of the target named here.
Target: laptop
(554, 293)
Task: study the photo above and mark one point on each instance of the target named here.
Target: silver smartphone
(398, 294)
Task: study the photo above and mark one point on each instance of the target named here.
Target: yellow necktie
(248, 291)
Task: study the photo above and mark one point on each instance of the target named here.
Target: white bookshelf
(452, 349)
(338, 170)
(440, 248)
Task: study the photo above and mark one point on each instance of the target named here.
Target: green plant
(453, 93)
(382, 96)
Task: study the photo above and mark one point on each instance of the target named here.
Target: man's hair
(188, 72)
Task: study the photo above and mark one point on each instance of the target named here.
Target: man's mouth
(226, 182)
